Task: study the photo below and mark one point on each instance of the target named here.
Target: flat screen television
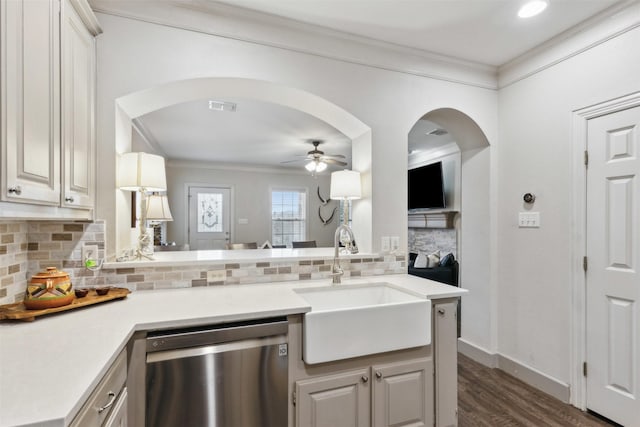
(426, 187)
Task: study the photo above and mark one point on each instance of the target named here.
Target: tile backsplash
(430, 240)
(29, 247)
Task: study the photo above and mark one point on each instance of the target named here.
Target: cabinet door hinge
(293, 398)
(584, 263)
(584, 369)
(586, 158)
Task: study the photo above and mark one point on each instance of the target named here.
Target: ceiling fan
(317, 160)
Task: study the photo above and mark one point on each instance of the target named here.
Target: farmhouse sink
(348, 321)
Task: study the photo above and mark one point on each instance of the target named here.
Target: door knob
(365, 378)
(378, 374)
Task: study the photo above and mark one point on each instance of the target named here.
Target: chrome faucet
(351, 247)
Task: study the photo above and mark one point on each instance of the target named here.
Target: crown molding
(244, 25)
(611, 23)
(88, 18)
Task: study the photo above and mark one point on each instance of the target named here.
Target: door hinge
(584, 369)
(584, 263)
(293, 398)
(586, 158)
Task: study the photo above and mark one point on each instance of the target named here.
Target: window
(288, 216)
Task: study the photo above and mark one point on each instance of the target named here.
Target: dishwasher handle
(279, 340)
(226, 333)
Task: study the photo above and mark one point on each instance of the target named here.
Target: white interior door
(613, 280)
(209, 217)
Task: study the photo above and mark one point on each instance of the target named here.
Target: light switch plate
(243, 221)
(216, 275)
(529, 220)
(385, 244)
(395, 243)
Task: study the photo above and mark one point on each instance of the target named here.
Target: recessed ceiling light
(532, 8)
(222, 106)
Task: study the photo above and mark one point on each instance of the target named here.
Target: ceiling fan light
(311, 166)
(321, 166)
(532, 8)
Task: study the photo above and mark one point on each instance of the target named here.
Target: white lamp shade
(345, 185)
(139, 171)
(158, 208)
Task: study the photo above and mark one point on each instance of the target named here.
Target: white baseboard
(558, 389)
(543, 382)
(479, 354)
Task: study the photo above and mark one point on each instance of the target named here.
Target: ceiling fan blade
(333, 162)
(293, 161)
(334, 156)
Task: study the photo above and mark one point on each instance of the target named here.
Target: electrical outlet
(385, 245)
(216, 275)
(395, 243)
(89, 252)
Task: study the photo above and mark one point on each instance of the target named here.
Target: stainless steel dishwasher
(231, 375)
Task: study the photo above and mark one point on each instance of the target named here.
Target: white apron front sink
(348, 321)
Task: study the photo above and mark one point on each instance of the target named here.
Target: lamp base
(143, 243)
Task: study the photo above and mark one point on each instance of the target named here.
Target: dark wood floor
(491, 398)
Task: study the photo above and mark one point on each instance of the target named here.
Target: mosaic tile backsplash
(29, 247)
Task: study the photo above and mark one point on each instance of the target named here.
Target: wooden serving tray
(17, 311)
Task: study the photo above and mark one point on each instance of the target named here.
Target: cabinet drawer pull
(15, 190)
(378, 374)
(112, 398)
(68, 199)
(441, 311)
(365, 378)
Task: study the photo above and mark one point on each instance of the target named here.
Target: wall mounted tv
(426, 187)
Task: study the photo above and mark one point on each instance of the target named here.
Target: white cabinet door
(78, 89)
(30, 37)
(334, 400)
(403, 393)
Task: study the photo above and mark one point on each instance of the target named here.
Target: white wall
(251, 200)
(535, 153)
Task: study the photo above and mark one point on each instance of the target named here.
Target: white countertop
(49, 367)
(177, 258)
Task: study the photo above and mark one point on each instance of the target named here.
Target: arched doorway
(142, 102)
(469, 151)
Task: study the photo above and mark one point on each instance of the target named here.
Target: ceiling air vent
(438, 132)
(222, 106)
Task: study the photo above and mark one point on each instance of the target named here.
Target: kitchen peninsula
(76, 349)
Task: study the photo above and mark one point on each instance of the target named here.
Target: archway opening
(134, 105)
(453, 138)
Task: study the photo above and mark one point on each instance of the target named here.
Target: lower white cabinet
(393, 394)
(445, 337)
(106, 406)
(402, 393)
(334, 400)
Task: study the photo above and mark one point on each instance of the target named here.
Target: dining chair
(304, 244)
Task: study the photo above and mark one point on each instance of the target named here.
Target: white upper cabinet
(47, 101)
(78, 92)
(30, 101)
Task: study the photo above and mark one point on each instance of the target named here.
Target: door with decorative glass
(209, 217)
